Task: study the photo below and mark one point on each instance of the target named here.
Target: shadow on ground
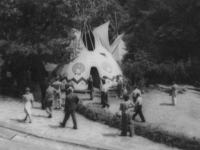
(57, 126)
(39, 116)
(166, 104)
(19, 120)
(110, 134)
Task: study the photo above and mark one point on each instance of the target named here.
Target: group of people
(125, 106)
(51, 94)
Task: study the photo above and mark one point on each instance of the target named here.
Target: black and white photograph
(99, 75)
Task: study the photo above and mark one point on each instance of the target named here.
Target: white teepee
(95, 58)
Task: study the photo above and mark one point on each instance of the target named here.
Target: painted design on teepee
(107, 67)
(83, 80)
(78, 68)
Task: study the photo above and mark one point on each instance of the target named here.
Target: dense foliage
(162, 36)
(163, 41)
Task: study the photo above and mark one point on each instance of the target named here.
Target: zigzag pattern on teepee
(85, 80)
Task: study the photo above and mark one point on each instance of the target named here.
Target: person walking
(28, 99)
(48, 102)
(71, 103)
(90, 87)
(119, 87)
(126, 118)
(43, 88)
(103, 81)
(138, 107)
(104, 96)
(57, 98)
(174, 92)
(135, 92)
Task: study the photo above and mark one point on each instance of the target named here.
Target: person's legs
(136, 113)
(60, 103)
(67, 114)
(25, 117)
(173, 100)
(124, 125)
(56, 101)
(105, 100)
(118, 91)
(59, 100)
(73, 114)
(29, 118)
(48, 111)
(121, 90)
(43, 98)
(140, 113)
(91, 95)
(102, 98)
(134, 99)
(49, 105)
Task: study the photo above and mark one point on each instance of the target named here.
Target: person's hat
(27, 89)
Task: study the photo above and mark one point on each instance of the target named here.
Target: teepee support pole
(90, 36)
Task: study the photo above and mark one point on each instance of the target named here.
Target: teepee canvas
(94, 58)
(118, 48)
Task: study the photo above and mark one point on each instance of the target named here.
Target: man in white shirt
(138, 107)
(135, 92)
(105, 89)
(174, 91)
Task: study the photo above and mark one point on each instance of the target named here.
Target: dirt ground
(183, 118)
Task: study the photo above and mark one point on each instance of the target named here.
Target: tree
(35, 27)
(167, 30)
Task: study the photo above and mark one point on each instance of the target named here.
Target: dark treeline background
(162, 36)
(163, 41)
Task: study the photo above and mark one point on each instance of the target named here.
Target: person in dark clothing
(90, 87)
(138, 107)
(71, 103)
(48, 102)
(43, 86)
(67, 85)
(119, 87)
(126, 117)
